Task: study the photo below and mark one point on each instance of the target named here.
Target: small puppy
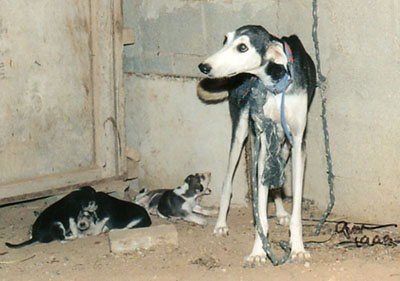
(112, 213)
(86, 224)
(181, 202)
(54, 223)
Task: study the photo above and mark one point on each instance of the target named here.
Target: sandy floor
(200, 255)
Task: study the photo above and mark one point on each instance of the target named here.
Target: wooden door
(61, 98)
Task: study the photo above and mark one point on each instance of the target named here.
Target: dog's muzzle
(205, 68)
(83, 225)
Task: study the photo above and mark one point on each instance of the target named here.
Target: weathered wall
(359, 43)
(177, 134)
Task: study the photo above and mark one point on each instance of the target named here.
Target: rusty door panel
(61, 103)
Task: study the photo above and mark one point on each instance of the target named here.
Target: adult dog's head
(249, 49)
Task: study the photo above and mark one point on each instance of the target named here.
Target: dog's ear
(276, 54)
(188, 179)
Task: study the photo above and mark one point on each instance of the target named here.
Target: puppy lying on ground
(58, 221)
(181, 202)
(84, 212)
(112, 213)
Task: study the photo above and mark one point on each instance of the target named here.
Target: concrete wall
(359, 43)
(177, 134)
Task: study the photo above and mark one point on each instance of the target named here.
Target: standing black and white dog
(282, 65)
(181, 202)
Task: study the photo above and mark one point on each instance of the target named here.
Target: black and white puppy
(113, 213)
(86, 224)
(181, 202)
(58, 221)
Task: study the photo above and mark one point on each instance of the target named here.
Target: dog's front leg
(258, 254)
(298, 253)
(99, 227)
(238, 137)
(195, 219)
(74, 230)
(203, 211)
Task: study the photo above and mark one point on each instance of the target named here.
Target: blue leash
(281, 88)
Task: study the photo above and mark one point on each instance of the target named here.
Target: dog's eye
(242, 48)
(225, 39)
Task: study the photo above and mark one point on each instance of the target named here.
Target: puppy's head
(249, 49)
(85, 220)
(87, 198)
(195, 185)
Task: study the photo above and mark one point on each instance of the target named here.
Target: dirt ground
(199, 256)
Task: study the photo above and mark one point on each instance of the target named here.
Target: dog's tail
(210, 93)
(26, 243)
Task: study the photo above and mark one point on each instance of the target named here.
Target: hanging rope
(322, 87)
(274, 173)
(265, 241)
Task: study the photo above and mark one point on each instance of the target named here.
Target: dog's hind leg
(282, 215)
(239, 134)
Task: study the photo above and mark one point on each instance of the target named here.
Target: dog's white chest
(295, 106)
(272, 107)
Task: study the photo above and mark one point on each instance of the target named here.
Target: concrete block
(127, 240)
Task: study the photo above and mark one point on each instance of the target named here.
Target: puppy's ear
(188, 179)
(276, 54)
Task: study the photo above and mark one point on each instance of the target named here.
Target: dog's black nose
(205, 68)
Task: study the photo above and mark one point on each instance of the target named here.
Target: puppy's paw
(301, 256)
(221, 230)
(212, 212)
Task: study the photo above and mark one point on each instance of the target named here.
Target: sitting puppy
(54, 223)
(181, 202)
(112, 213)
(86, 224)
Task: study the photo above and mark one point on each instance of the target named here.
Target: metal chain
(322, 87)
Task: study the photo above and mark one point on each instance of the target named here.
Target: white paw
(283, 219)
(221, 230)
(300, 256)
(255, 259)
